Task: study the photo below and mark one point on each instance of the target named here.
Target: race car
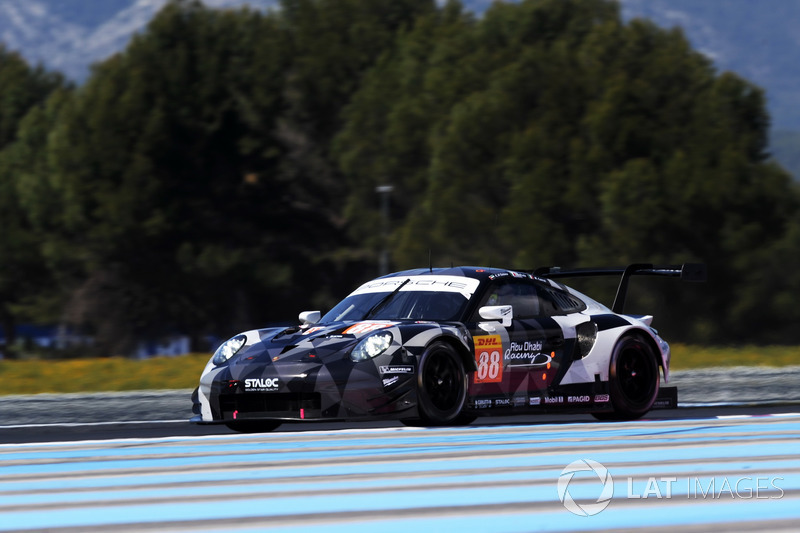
(443, 346)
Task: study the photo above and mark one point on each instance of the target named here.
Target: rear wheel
(633, 380)
(252, 426)
(441, 387)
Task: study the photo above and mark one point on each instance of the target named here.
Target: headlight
(371, 346)
(227, 349)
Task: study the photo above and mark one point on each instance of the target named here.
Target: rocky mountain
(70, 35)
(758, 39)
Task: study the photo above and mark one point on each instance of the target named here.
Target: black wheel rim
(635, 375)
(441, 380)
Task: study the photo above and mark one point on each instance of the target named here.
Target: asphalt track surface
(702, 469)
(727, 460)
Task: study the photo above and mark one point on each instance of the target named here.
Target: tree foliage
(221, 171)
(24, 278)
(561, 135)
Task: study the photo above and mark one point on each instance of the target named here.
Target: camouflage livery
(439, 346)
(302, 373)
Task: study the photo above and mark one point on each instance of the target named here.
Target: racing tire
(441, 388)
(252, 426)
(633, 380)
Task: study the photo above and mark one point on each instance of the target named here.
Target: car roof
(475, 272)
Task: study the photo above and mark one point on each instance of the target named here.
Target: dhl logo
(487, 341)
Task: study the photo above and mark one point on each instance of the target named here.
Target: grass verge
(686, 357)
(96, 375)
(117, 374)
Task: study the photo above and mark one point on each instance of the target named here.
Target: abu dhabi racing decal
(488, 358)
(528, 353)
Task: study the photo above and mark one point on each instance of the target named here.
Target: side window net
(531, 300)
(523, 297)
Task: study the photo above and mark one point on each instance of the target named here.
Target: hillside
(757, 40)
(70, 35)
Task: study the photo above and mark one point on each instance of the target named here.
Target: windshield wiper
(383, 301)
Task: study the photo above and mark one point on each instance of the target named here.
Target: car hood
(313, 343)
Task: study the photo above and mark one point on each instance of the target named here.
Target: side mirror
(310, 317)
(503, 313)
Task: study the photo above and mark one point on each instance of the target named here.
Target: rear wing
(692, 272)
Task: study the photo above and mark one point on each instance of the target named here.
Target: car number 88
(489, 365)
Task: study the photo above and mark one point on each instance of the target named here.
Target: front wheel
(633, 380)
(441, 387)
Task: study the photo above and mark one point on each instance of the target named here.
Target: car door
(520, 360)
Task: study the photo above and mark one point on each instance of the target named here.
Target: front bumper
(305, 397)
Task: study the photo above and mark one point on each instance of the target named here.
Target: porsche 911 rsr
(442, 347)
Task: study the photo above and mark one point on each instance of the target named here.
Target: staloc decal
(261, 384)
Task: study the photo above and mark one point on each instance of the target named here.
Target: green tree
(193, 167)
(167, 207)
(23, 274)
(204, 174)
(555, 133)
(386, 137)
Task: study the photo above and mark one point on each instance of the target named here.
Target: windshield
(403, 305)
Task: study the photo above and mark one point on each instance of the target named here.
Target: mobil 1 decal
(488, 358)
